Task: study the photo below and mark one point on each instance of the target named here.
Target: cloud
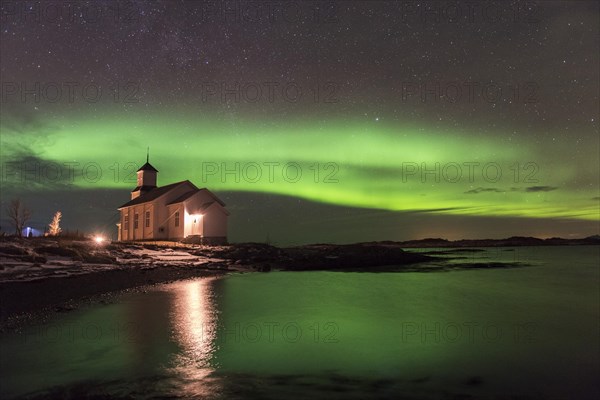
(535, 189)
(484, 190)
(530, 189)
(19, 121)
(28, 171)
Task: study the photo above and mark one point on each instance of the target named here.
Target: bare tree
(18, 215)
(54, 226)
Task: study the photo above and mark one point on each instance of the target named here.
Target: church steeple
(146, 178)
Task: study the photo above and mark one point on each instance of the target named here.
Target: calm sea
(526, 332)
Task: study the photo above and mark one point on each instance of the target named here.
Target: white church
(172, 212)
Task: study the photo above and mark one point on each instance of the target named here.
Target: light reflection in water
(194, 322)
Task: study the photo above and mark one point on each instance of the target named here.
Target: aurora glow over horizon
(375, 141)
(360, 152)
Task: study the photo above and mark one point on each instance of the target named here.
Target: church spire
(146, 178)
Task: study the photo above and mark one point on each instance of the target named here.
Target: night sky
(313, 120)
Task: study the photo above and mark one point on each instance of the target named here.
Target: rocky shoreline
(48, 274)
(41, 273)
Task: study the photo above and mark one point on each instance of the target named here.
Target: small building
(173, 212)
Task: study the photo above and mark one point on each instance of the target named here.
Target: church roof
(154, 194)
(184, 197)
(147, 167)
(145, 188)
(189, 194)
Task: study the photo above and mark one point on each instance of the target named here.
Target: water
(528, 332)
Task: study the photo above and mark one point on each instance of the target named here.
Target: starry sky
(336, 121)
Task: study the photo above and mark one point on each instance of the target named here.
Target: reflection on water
(522, 333)
(194, 321)
(160, 341)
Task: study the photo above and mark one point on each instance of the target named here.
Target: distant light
(98, 239)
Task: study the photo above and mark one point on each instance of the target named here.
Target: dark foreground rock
(363, 256)
(348, 257)
(513, 241)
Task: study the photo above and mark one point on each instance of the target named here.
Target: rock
(14, 250)
(263, 268)
(34, 258)
(59, 251)
(98, 259)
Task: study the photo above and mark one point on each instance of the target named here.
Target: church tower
(146, 179)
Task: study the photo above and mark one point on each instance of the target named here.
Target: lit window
(176, 218)
(147, 219)
(136, 219)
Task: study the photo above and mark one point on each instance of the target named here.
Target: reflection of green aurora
(363, 164)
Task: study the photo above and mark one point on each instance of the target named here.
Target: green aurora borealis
(376, 164)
